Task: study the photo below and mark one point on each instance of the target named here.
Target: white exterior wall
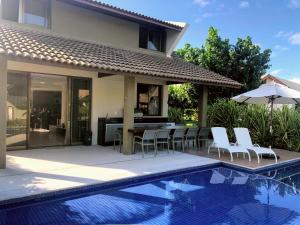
(107, 92)
(110, 91)
(81, 23)
(173, 38)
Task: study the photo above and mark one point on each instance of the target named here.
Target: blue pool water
(289, 174)
(212, 196)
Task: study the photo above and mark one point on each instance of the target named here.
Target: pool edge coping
(62, 193)
(66, 192)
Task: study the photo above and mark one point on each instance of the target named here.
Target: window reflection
(81, 109)
(152, 39)
(10, 10)
(16, 110)
(37, 12)
(48, 115)
(149, 99)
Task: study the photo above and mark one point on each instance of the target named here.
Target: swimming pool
(209, 196)
(288, 174)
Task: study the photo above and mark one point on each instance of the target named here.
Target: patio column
(202, 106)
(128, 123)
(3, 106)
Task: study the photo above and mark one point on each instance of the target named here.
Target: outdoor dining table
(138, 131)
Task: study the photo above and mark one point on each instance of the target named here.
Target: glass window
(37, 12)
(48, 106)
(152, 39)
(10, 10)
(149, 99)
(81, 108)
(143, 38)
(16, 133)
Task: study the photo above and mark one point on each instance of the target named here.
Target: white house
(290, 84)
(66, 63)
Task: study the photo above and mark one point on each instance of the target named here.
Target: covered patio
(112, 75)
(38, 171)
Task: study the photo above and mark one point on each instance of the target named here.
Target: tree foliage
(243, 61)
(248, 63)
(179, 96)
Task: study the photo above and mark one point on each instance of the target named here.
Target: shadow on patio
(42, 170)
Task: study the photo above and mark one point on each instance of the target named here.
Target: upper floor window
(10, 10)
(36, 12)
(152, 39)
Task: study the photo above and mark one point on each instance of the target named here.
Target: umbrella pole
(271, 119)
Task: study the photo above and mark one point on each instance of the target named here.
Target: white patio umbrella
(273, 93)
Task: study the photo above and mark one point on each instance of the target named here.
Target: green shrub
(191, 115)
(225, 113)
(286, 123)
(176, 115)
(188, 117)
(256, 119)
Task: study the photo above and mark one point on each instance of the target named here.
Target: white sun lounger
(221, 142)
(241, 179)
(219, 178)
(243, 139)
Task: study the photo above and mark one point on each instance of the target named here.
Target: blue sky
(273, 24)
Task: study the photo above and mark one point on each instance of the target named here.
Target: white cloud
(202, 3)
(276, 72)
(280, 48)
(295, 39)
(244, 4)
(292, 37)
(277, 50)
(294, 3)
(284, 34)
(204, 16)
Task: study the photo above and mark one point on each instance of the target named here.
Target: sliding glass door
(17, 110)
(80, 109)
(48, 110)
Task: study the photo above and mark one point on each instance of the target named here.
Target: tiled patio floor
(42, 170)
(284, 157)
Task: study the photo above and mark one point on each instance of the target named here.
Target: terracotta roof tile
(25, 43)
(110, 9)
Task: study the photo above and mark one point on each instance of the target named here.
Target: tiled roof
(288, 83)
(103, 7)
(35, 45)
